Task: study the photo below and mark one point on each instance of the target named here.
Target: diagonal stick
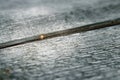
(85, 28)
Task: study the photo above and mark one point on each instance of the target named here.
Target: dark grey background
(93, 55)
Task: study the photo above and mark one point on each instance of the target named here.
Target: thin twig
(85, 28)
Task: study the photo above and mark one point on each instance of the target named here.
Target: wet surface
(92, 55)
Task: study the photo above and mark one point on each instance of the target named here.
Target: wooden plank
(85, 28)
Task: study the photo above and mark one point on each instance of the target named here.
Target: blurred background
(92, 55)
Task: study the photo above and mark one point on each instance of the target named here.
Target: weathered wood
(89, 27)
